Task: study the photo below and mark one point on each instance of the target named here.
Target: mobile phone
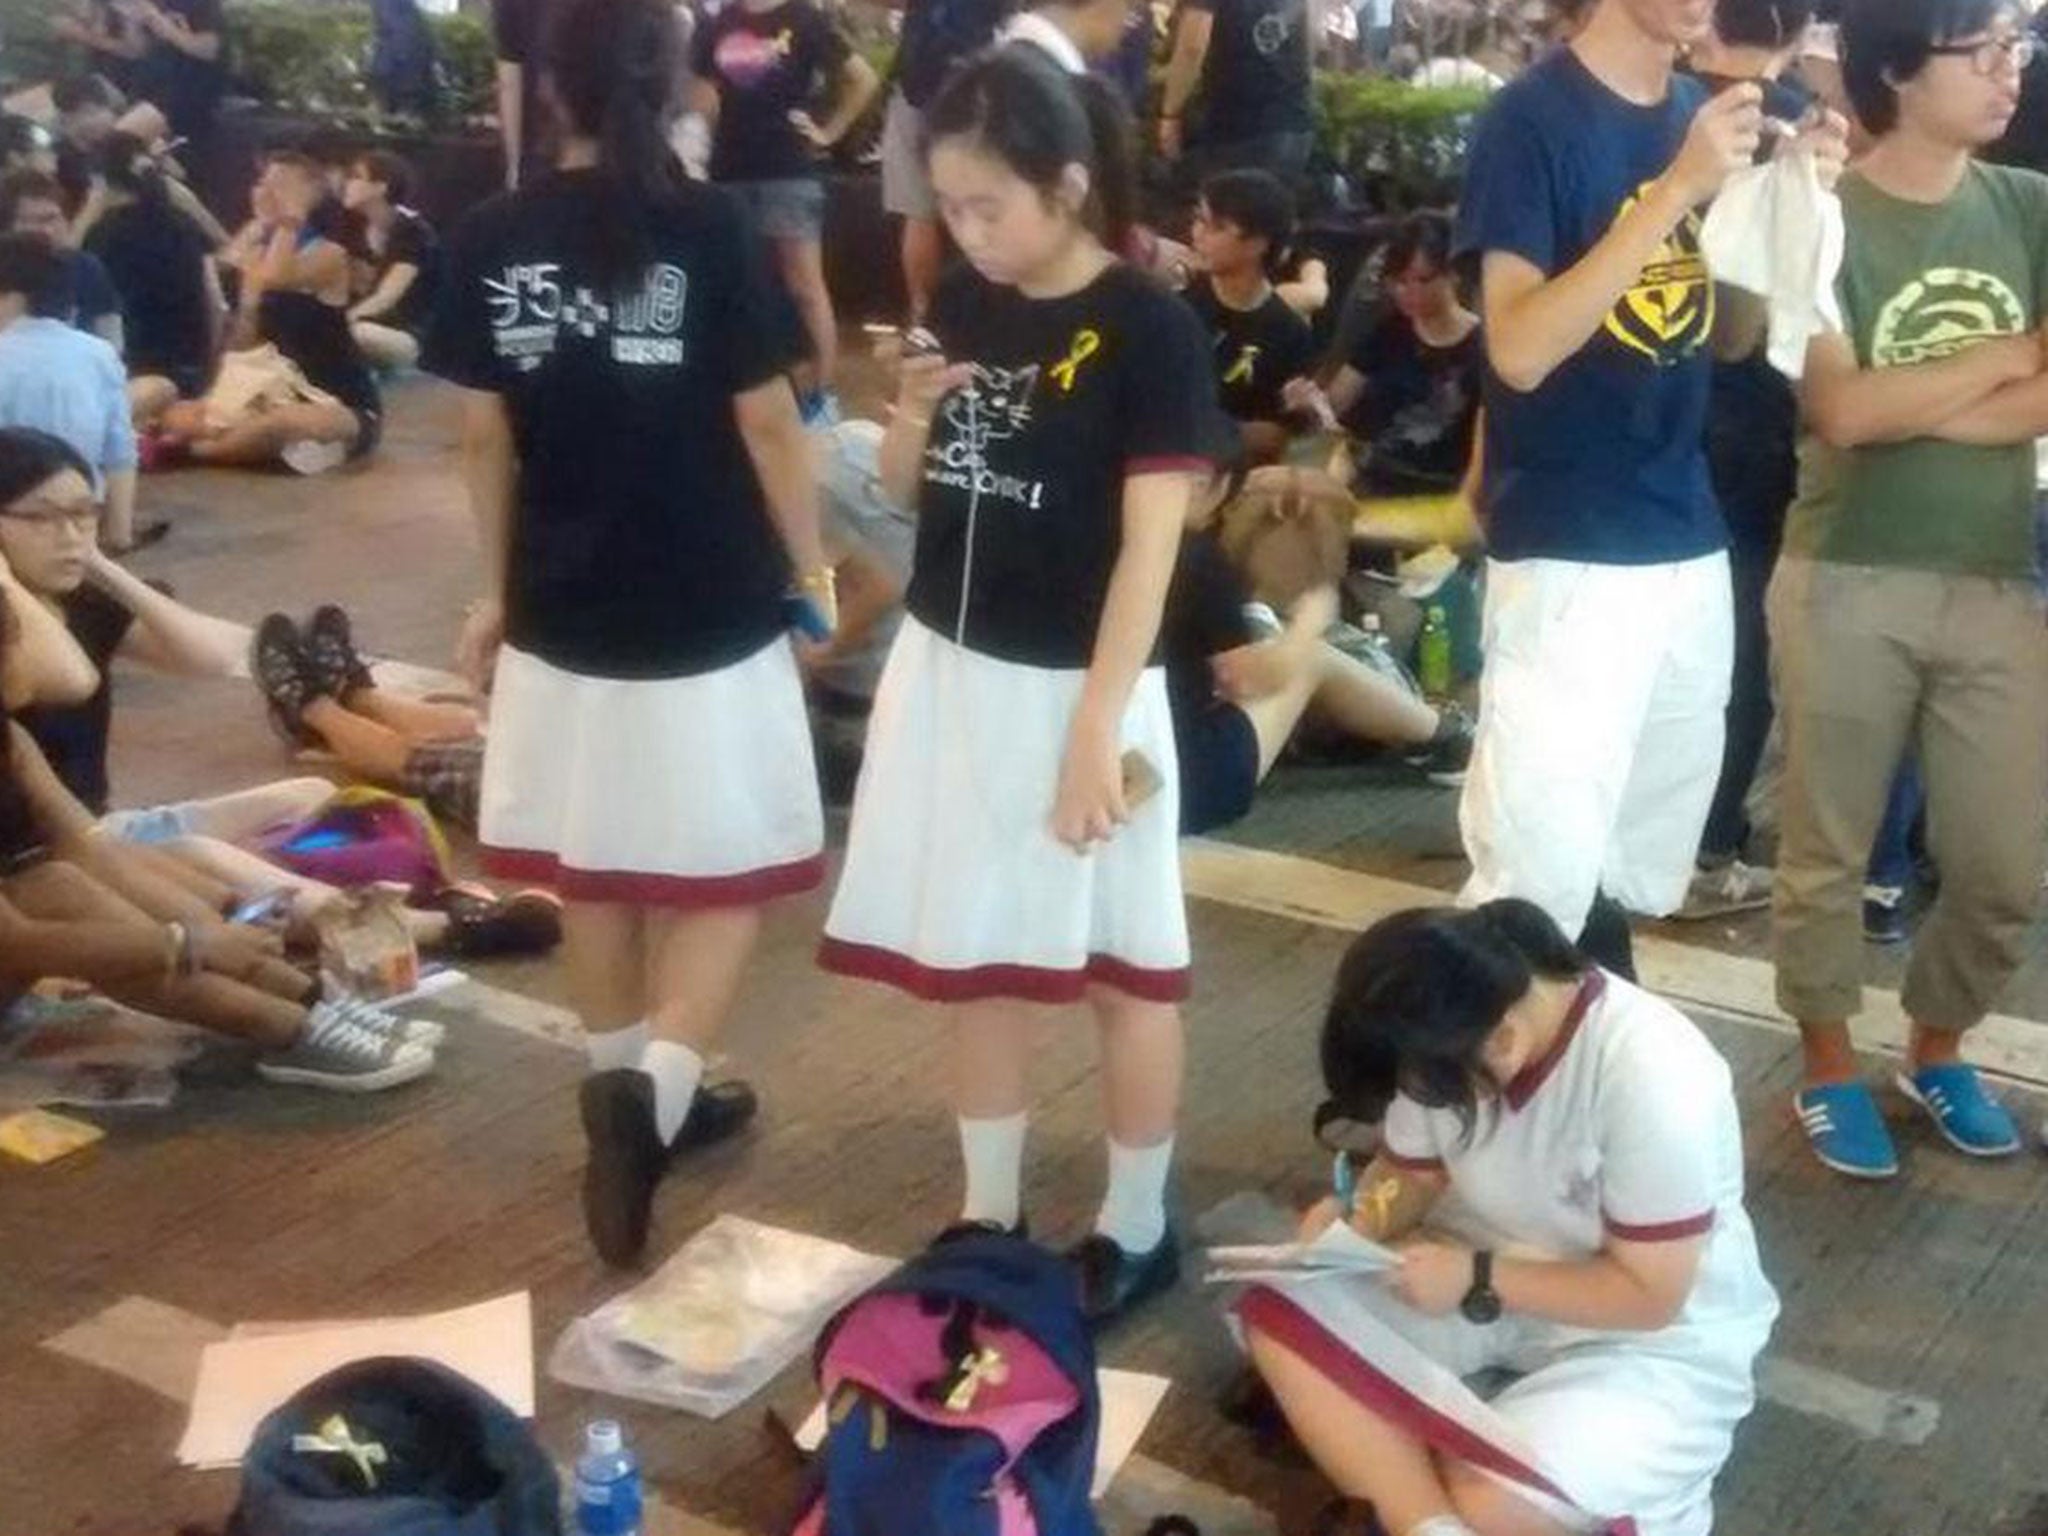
(1141, 779)
(263, 908)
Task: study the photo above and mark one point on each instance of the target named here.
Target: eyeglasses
(2016, 50)
(51, 519)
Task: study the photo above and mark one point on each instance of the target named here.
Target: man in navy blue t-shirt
(1608, 617)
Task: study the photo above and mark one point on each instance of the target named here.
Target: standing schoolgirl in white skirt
(1571, 1143)
(644, 491)
(1013, 836)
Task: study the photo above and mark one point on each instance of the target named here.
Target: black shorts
(1219, 767)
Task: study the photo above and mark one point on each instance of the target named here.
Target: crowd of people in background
(1078, 590)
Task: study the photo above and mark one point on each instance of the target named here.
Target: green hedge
(285, 53)
(1405, 144)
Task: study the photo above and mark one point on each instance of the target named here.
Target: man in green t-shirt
(1904, 613)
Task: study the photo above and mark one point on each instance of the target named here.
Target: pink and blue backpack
(961, 1401)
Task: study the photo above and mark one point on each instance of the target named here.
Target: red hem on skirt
(635, 888)
(1283, 1321)
(978, 983)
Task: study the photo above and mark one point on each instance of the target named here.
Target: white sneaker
(1724, 891)
(307, 457)
(344, 1050)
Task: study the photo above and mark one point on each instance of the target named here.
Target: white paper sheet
(1339, 1250)
(242, 1379)
(1129, 1399)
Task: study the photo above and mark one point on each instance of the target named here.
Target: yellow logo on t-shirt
(1240, 372)
(1086, 344)
(1667, 314)
(1940, 313)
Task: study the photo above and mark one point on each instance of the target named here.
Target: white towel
(1775, 231)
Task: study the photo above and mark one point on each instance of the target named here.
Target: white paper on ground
(242, 1379)
(1339, 1250)
(149, 1342)
(1129, 1399)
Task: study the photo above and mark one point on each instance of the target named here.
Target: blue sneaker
(1969, 1118)
(1848, 1134)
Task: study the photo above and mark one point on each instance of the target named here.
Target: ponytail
(1016, 105)
(612, 65)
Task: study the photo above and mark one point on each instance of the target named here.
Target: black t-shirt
(412, 242)
(74, 736)
(520, 28)
(1256, 350)
(315, 335)
(1419, 406)
(1255, 79)
(936, 35)
(89, 295)
(1204, 617)
(766, 65)
(74, 175)
(157, 260)
(640, 543)
(187, 89)
(1070, 396)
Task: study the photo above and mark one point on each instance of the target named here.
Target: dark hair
(389, 171)
(1421, 235)
(127, 165)
(31, 267)
(20, 137)
(29, 458)
(77, 92)
(1259, 204)
(297, 161)
(1888, 41)
(1015, 104)
(26, 186)
(612, 66)
(1419, 993)
(1770, 24)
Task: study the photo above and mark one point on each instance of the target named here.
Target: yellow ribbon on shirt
(1086, 344)
(1240, 372)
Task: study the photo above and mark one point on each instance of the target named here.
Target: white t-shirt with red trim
(1627, 1127)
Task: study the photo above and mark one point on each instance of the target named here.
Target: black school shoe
(627, 1159)
(483, 925)
(1114, 1283)
(963, 1229)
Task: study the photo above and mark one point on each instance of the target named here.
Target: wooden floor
(1911, 1306)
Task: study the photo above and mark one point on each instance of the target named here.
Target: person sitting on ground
(78, 905)
(1409, 391)
(47, 518)
(870, 540)
(1560, 1178)
(1238, 684)
(171, 305)
(59, 380)
(293, 297)
(1242, 225)
(33, 204)
(398, 263)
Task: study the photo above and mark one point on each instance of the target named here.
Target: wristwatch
(1482, 1302)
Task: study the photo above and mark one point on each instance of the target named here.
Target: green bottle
(1433, 653)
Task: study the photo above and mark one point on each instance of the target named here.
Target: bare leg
(58, 892)
(1143, 1061)
(251, 876)
(368, 750)
(1367, 705)
(248, 812)
(604, 945)
(923, 255)
(384, 347)
(802, 263)
(417, 719)
(990, 1048)
(202, 884)
(149, 396)
(1275, 716)
(258, 442)
(695, 961)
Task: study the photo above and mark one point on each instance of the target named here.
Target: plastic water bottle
(607, 1483)
(1433, 653)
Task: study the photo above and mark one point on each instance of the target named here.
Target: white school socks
(1134, 1208)
(611, 1049)
(676, 1070)
(992, 1152)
